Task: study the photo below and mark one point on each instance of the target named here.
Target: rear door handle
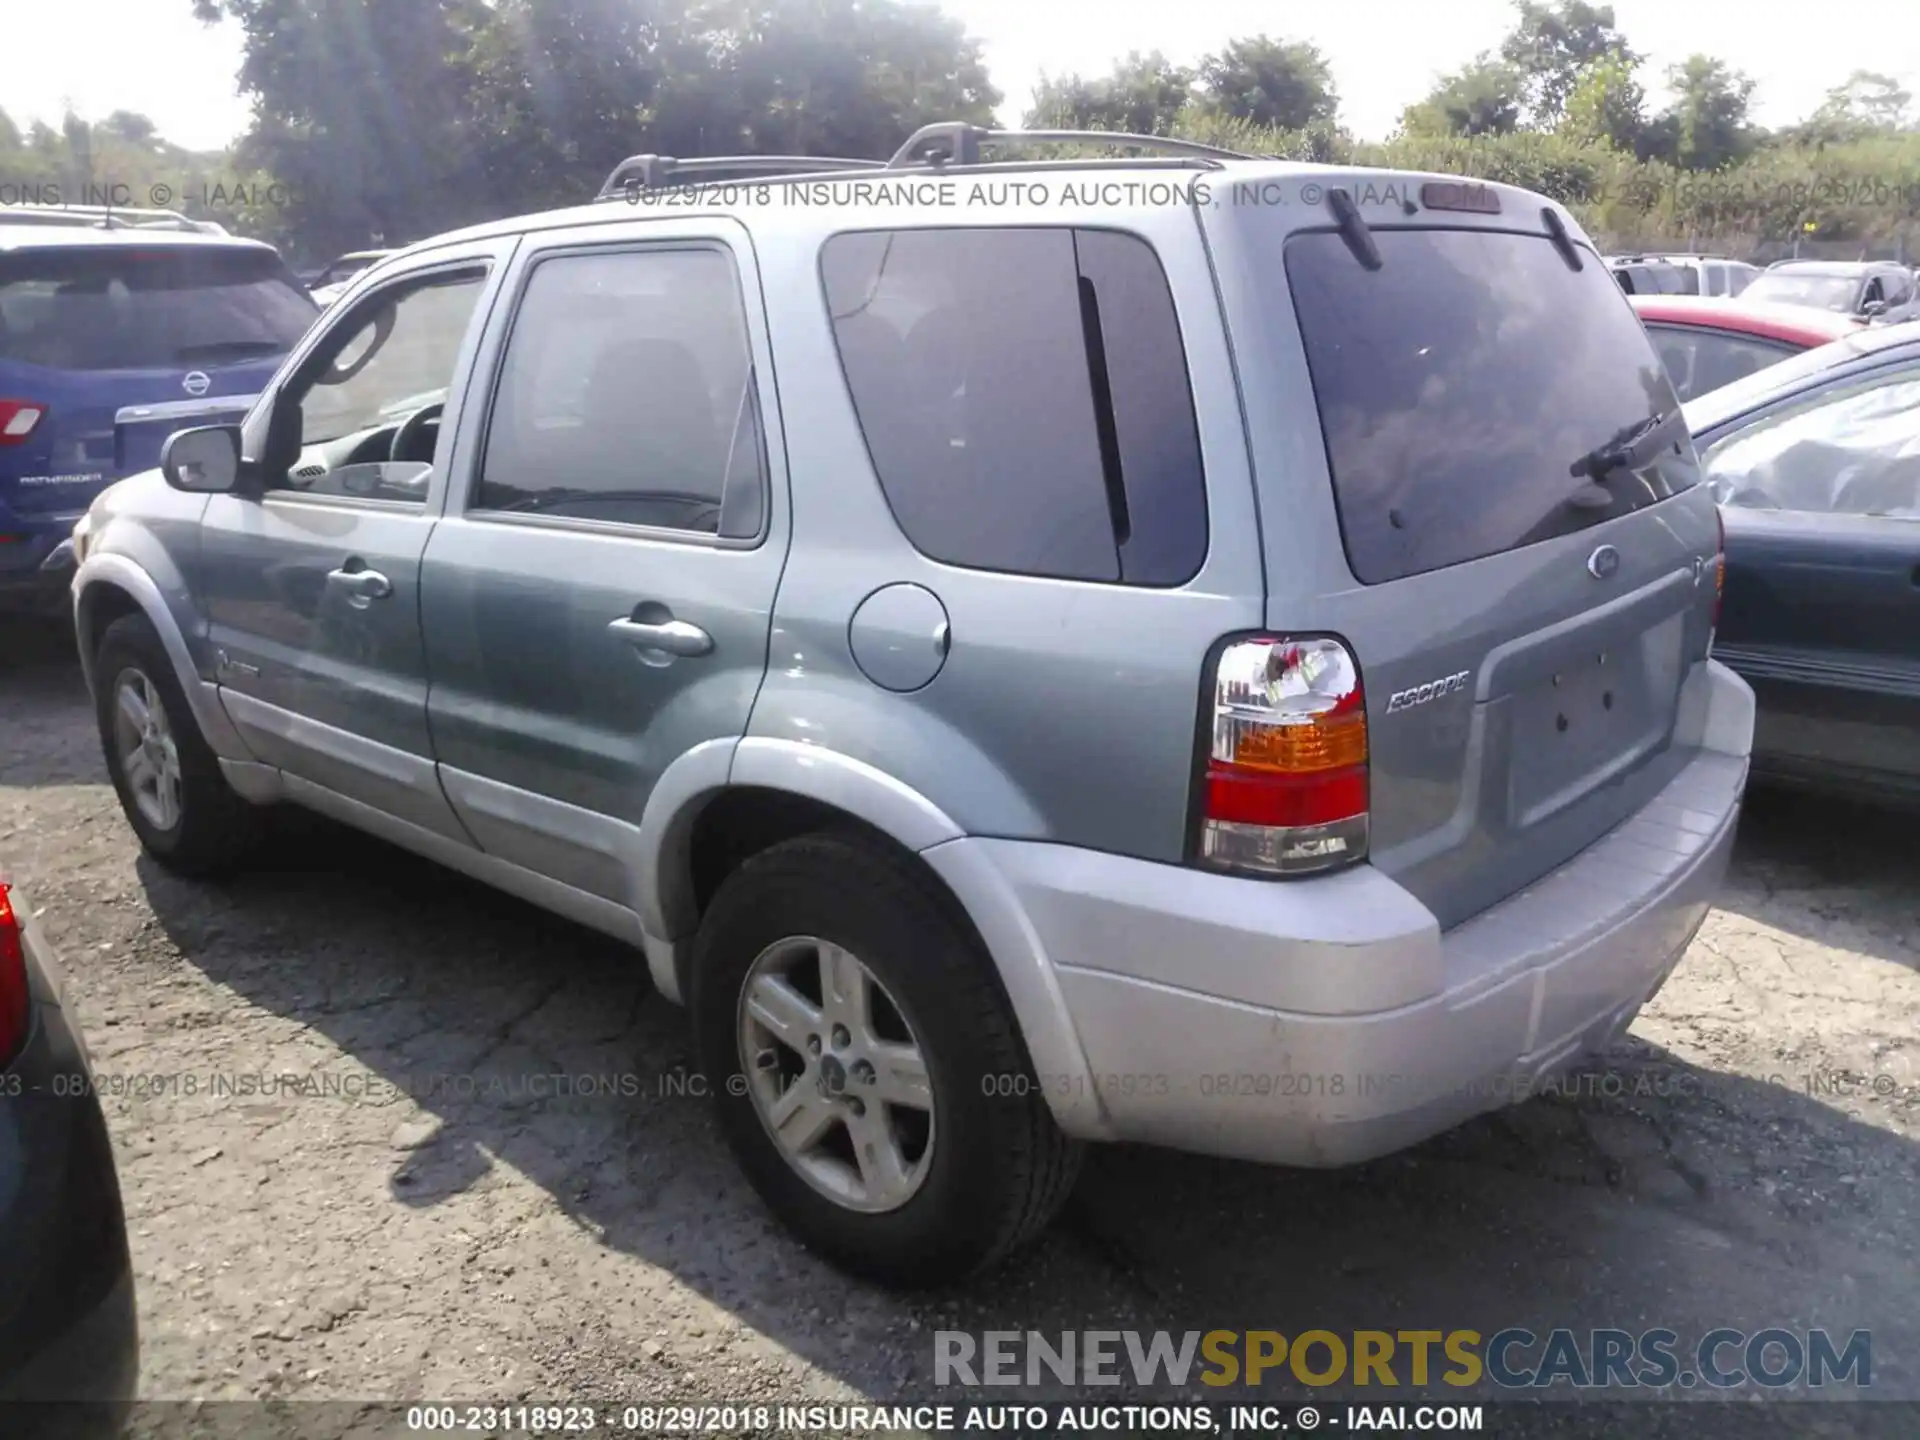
(676, 637)
(361, 585)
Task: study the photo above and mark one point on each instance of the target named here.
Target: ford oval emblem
(1603, 563)
(196, 384)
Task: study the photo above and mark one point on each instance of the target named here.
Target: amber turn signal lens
(1330, 742)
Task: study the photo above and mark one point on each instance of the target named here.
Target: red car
(1710, 342)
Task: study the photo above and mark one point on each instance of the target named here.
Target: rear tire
(167, 777)
(980, 1173)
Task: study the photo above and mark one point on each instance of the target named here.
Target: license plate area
(1597, 712)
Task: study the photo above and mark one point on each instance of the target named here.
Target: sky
(153, 57)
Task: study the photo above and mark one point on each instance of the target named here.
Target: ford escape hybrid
(1187, 649)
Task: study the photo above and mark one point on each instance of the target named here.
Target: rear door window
(626, 396)
(1024, 397)
(1467, 386)
(107, 308)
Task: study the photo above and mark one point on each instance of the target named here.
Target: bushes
(1864, 190)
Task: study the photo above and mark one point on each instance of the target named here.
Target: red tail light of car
(16, 1003)
(18, 418)
(1285, 779)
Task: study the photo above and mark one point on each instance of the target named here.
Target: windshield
(103, 308)
(1824, 292)
(1477, 395)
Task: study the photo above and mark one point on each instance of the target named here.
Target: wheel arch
(718, 811)
(110, 587)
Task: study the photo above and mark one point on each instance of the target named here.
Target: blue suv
(111, 336)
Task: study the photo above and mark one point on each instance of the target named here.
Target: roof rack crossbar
(658, 172)
(958, 143)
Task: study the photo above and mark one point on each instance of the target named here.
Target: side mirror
(203, 461)
(1873, 308)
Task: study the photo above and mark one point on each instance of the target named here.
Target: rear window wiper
(1632, 448)
(1353, 228)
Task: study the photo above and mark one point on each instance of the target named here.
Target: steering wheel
(412, 429)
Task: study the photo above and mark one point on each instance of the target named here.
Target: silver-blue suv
(1183, 648)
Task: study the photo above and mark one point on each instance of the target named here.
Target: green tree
(127, 126)
(1607, 106)
(832, 77)
(1706, 125)
(1285, 84)
(363, 111)
(1483, 98)
(1142, 96)
(1868, 103)
(399, 118)
(1551, 43)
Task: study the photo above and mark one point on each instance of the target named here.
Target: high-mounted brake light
(17, 419)
(1460, 195)
(16, 1004)
(1286, 766)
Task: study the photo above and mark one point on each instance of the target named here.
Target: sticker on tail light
(1286, 788)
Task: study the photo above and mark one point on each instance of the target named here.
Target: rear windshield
(1465, 389)
(114, 309)
(1657, 280)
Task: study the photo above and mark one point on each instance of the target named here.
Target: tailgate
(1500, 517)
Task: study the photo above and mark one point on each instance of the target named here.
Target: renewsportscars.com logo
(1514, 1358)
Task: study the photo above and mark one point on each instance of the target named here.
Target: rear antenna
(1353, 229)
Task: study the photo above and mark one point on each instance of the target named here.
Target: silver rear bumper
(1324, 1022)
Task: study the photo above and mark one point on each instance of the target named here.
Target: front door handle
(676, 637)
(361, 585)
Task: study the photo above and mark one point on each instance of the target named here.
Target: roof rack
(946, 143)
(660, 172)
(954, 142)
(106, 217)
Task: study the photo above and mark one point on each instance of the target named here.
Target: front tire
(167, 777)
(866, 1069)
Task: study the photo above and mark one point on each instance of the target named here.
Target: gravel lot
(472, 1240)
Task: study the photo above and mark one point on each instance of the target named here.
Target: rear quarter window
(1024, 398)
(1462, 384)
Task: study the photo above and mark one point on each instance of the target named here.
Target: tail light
(1286, 766)
(16, 1004)
(17, 419)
